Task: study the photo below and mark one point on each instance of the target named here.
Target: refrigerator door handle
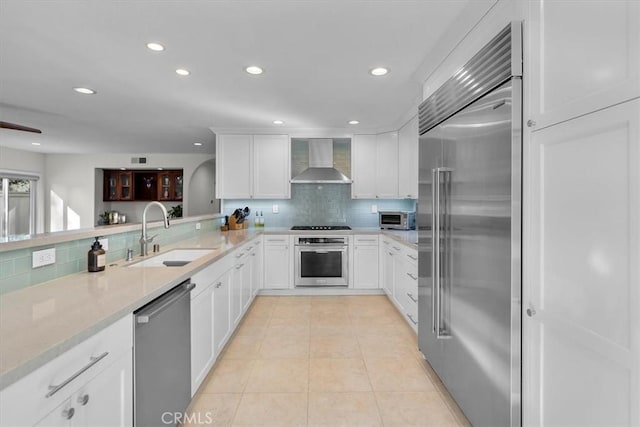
(435, 249)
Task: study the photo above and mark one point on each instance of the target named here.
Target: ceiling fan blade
(6, 125)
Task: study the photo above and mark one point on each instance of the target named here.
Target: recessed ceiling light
(123, 169)
(278, 122)
(353, 122)
(85, 90)
(35, 143)
(197, 144)
(254, 69)
(159, 169)
(156, 47)
(182, 72)
(379, 71)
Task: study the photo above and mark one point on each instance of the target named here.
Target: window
(17, 205)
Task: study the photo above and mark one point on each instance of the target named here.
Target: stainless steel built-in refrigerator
(469, 250)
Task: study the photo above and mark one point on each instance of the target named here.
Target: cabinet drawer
(365, 240)
(31, 398)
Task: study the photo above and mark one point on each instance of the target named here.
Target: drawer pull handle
(83, 400)
(412, 276)
(53, 389)
(253, 254)
(67, 414)
(238, 267)
(391, 253)
(239, 255)
(411, 297)
(415, 258)
(396, 248)
(411, 318)
(218, 285)
(249, 248)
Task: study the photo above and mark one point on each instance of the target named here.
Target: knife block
(233, 225)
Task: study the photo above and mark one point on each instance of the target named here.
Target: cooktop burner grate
(321, 227)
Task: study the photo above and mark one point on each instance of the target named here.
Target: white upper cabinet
(233, 167)
(363, 170)
(584, 57)
(374, 166)
(387, 165)
(253, 167)
(271, 167)
(408, 160)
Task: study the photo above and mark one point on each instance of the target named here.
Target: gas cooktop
(321, 227)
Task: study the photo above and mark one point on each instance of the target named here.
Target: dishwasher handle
(146, 317)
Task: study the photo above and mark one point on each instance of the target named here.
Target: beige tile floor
(323, 361)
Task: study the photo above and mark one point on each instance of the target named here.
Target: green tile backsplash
(71, 257)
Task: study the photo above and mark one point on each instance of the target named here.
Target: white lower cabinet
(386, 264)
(88, 385)
(277, 262)
(365, 262)
(221, 315)
(202, 349)
(256, 267)
(399, 275)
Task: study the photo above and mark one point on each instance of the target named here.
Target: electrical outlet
(274, 209)
(43, 257)
(105, 243)
(198, 226)
(374, 209)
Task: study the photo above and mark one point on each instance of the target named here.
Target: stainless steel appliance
(469, 229)
(397, 220)
(162, 357)
(321, 261)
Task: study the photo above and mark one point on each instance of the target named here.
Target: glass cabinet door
(178, 186)
(125, 185)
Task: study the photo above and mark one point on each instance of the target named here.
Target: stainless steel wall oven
(321, 261)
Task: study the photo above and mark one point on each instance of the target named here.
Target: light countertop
(41, 322)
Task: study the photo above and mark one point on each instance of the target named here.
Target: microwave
(397, 220)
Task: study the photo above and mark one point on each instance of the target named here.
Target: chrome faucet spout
(144, 239)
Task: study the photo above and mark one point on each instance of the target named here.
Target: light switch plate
(274, 209)
(105, 243)
(43, 257)
(374, 209)
(198, 226)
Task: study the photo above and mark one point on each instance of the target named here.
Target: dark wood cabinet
(142, 185)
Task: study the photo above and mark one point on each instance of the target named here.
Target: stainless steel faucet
(144, 240)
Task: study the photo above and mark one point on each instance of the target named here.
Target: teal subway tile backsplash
(319, 204)
(71, 257)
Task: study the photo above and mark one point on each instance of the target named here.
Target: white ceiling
(316, 56)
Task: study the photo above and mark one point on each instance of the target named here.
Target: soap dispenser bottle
(96, 257)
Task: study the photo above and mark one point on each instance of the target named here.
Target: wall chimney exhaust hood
(321, 170)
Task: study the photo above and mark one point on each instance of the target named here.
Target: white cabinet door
(387, 165)
(388, 277)
(363, 166)
(107, 400)
(408, 160)
(584, 56)
(277, 262)
(271, 167)
(246, 272)
(221, 317)
(582, 272)
(202, 349)
(237, 283)
(256, 271)
(365, 266)
(233, 167)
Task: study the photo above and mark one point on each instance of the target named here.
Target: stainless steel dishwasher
(162, 357)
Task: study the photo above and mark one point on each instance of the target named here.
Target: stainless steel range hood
(321, 170)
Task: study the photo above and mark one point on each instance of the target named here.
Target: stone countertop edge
(52, 238)
(406, 237)
(12, 374)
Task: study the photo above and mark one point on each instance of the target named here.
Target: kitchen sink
(173, 258)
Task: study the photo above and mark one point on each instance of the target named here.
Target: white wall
(72, 183)
(203, 183)
(32, 163)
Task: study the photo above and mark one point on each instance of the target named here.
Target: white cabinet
(271, 167)
(238, 282)
(202, 349)
(387, 165)
(233, 166)
(277, 262)
(257, 267)
(363, 170)
(221, 315)
(93, 380)
(365, 261)
(408, 160)
(374, 166)
(583, 57)
(253, 166)
(399, 275)
(581, 291)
